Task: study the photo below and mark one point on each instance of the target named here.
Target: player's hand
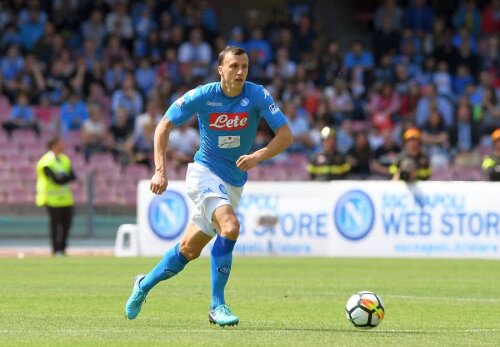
(246, 162)
(159, 183)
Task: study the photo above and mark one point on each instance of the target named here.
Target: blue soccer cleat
(223, 316)
(137, 298)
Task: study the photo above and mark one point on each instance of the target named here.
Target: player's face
(234, 70)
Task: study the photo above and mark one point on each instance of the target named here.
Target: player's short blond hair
(230, 49)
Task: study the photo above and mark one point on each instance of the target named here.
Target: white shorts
(208, 192)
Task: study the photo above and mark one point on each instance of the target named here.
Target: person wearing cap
(328, 164)
(412, 164)
(491, 164)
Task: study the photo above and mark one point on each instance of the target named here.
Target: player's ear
(219, 68)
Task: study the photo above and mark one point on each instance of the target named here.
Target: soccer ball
(365, 310)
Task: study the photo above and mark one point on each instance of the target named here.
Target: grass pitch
(280, 301)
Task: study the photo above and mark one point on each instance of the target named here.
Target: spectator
(91, 54)
(469, 17)
(426, 75)
(430, 99)
(358, 57)
(442, 80)
(283, 66)
(345, 136)
(419, 17)
(120, 131)
(153, 48)
(73, 113)
(145, 76)
(127, 97)
(331, 63)
(12, 65)
(118, 22)
(303, 141)
(152, 114)
(10, 36)
(183, 144)
(170, 68)
(360, 156)
(144, 23)
(43, 49)
(462, 79)
(93, 29)
(386, 39)
(385, 155)
(463, 35)
(402, 79)
(384, 72)
(464, 136)
(140, 146)
(115, 52)
(329, 164)
(435, 140)
(411, 164)
(464, 55)
(236, 38)
(45, 113)
(491, 164)
(409, 102)
(339, 101)
(491, 54)
(383, 106)
(258, 45)
(31, 30)
(389, 9)
(196, 53)
(22, 117)
(489, 112)
(304, 34)
(94, 132)
(491, 18)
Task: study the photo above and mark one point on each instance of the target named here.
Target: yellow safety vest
(49, 193)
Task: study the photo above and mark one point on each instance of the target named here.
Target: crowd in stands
(105, 71)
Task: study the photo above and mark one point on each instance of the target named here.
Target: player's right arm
(178, 113)
(159, 181)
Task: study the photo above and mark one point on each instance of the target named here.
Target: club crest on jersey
(244, 102)
(228, 121)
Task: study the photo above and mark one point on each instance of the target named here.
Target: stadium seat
(5, 108)
(24, 139)
(21, 196)
(136, 172)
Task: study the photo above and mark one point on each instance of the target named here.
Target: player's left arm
(277, 121)
(281, 140)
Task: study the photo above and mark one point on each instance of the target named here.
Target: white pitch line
(443, 298)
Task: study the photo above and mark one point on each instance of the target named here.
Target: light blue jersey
(228, 125)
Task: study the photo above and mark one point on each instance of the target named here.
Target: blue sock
(220, 265)
(170, 265)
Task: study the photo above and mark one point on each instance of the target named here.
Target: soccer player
(228, 114)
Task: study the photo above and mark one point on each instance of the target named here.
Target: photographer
(412, 164)
(491, 164)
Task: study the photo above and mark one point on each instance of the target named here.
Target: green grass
(280, 301)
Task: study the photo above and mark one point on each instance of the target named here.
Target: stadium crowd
(104, 72)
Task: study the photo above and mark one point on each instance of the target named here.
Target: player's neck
(230, 91)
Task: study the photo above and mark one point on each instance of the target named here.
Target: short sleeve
(185, 107)
(268, 109)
